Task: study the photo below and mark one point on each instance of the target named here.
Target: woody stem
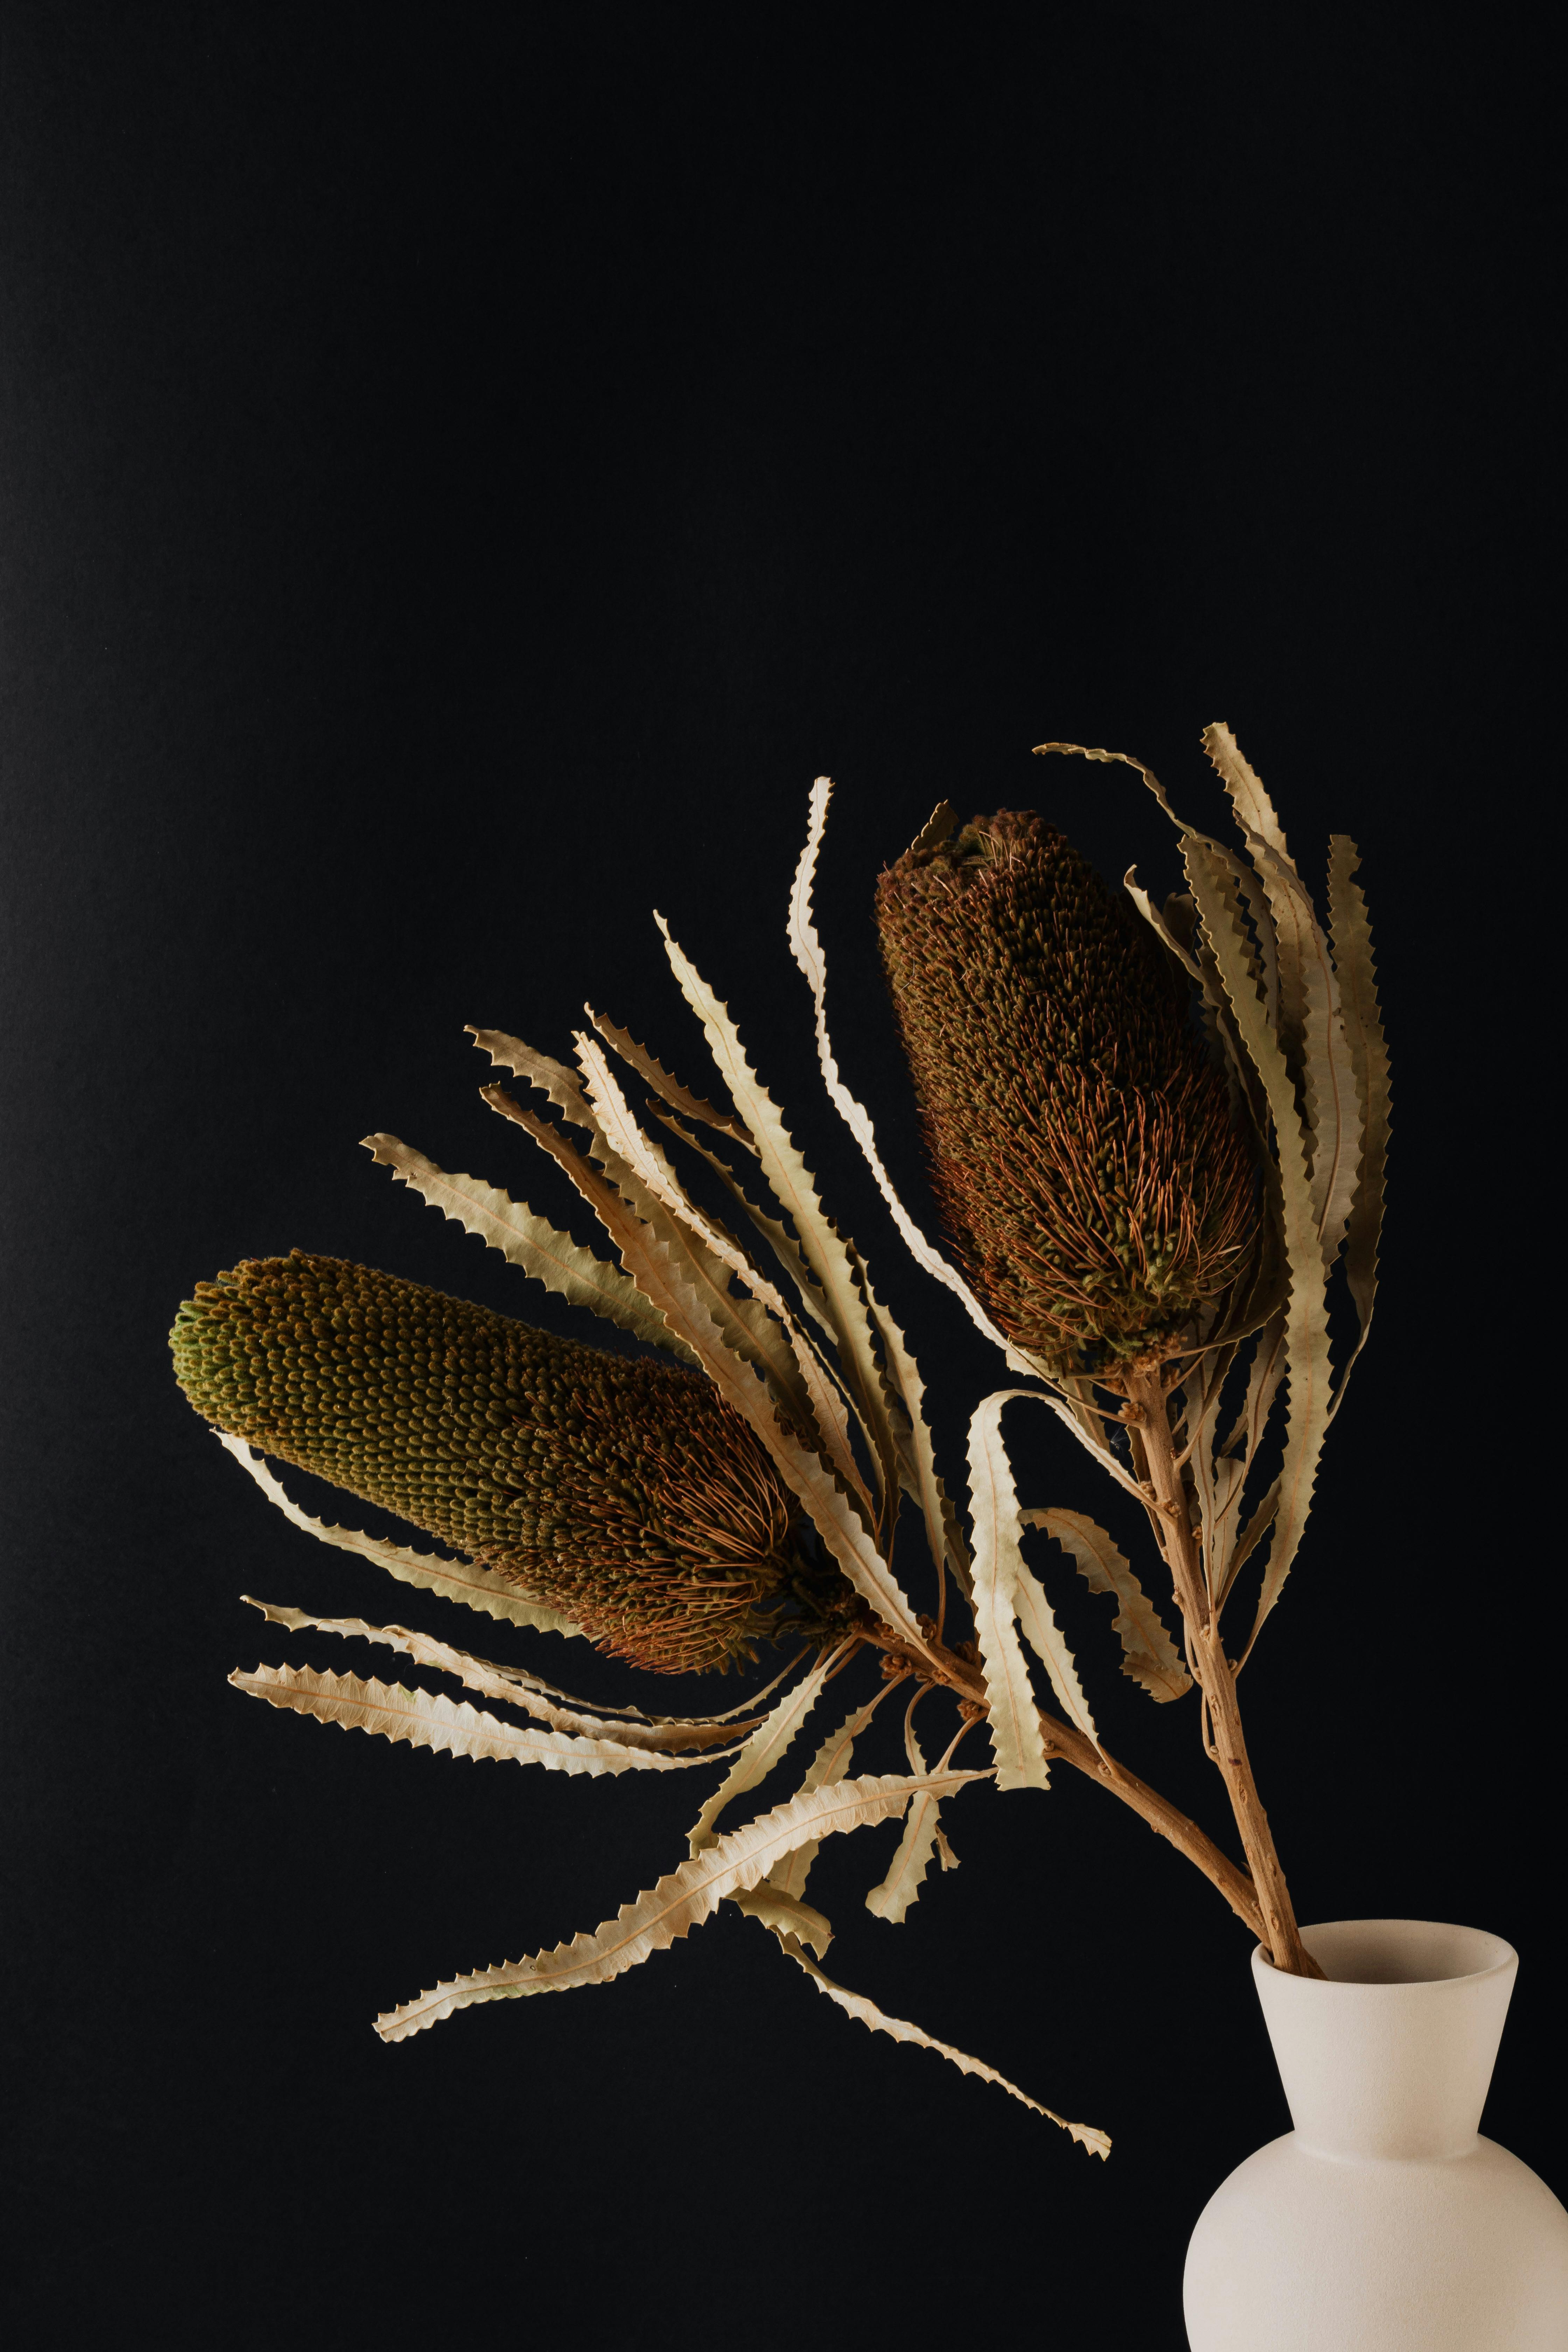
(1149, 1413)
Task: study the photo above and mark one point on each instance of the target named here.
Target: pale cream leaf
(786, 1915)
(768, 1743)
(830, 1763)
(678, 1903)
(525, 1239)
(855, 2005)
(996, 1562)
(806, 949)
(906, 1873)
(794, 1189)
(660, 1273)
(504, 1682)
(1150, 1657)
(792, 1363)
(1306, 1326)
(430, 1719)
(743, 1325)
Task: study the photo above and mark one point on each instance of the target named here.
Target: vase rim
(1396, 1954)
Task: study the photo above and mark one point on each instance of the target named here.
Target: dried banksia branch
(623, 1492)
(1102, 1193)
(1082, 1146)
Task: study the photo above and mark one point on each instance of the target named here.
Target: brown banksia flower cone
(1087, 1162)
(623, 1492)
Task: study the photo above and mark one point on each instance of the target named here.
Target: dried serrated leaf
(492, 1681)
(669, 1090)
(806, 949)
(794, 1367)
(906, 1873)
(743, 1320)
(923, 1827)
(1307, 1322)
(1268, 1368)
(768, 1743)
(857, 2005)
(1237, 1456)
(1254, 809)
(1199, 1403)
(774, 1231)
(743, 1323)
(551, 1256)
(660, 1267)
(430, 1719)
(680, 1902)
(791, 1184)
(917, 1454)
(936, 828)
(1150, 1657)
(1310, 1023)
(1215, 1007)
(830, 1763)
(1015, 1725)
(1369, 1057)
(785, 1916)
(1016, 1584)
(552, 1079)
(1159, 925)
(453, 1579)
(1039, 1628)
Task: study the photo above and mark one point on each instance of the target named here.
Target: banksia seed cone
(624, 1493)
(1082, 1147)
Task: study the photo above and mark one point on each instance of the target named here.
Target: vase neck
(1392, 2054)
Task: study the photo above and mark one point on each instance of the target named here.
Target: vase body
(1383, 2222)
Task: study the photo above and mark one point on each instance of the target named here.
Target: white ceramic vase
(1383, 2222)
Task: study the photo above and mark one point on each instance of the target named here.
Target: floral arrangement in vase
(1156, 1138)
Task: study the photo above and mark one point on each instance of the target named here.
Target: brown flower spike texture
(621, 1491)
(1082, 1147)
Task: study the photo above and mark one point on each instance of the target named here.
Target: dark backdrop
(464, 475)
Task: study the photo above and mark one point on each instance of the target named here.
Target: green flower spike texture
(1082, 1147)
(623, 1492)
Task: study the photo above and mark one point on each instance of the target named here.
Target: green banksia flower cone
(1082, 1147)
(623, 1492)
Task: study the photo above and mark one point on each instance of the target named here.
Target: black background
(464, 475)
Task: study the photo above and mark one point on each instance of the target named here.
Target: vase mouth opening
(1400, 1952)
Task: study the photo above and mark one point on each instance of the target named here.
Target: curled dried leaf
(1150, 1657)
(998, 1562)
(855, 2004)
(785, 1916)
(1369, 1057)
